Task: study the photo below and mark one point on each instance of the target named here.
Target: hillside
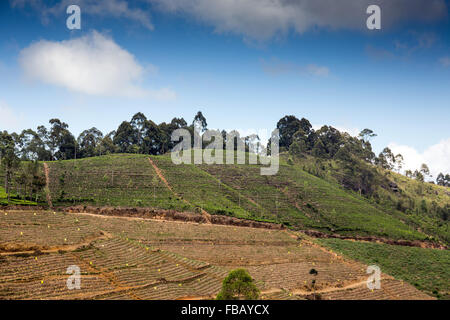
(14, 199)
(135, 259)
(426, 269)
(195, 257)
(293, 197)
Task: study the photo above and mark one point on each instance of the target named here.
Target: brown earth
(171, 215)
(21, 248)
(407, 243)
(138, 258)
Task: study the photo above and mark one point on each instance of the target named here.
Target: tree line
(21, 152)
(141, 135)
(299, 138)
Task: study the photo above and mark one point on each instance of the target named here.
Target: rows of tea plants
(111, 266)
(426, 269)
(201, 189)
(292, 276)
(390, 289)
(157, 231)
(119, 180)
(127, 258)
(299, 199)
(292, 196)
(43, 229)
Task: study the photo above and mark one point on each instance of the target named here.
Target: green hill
(426, 269)
(294, 197)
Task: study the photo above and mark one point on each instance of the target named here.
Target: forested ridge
(326, 153)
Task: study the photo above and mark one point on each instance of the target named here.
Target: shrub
(238, 284)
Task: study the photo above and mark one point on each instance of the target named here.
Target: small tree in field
(313, 282)
(238, 284)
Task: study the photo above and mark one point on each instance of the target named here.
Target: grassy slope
(13, 199)
(431, 195)
(118, 180)
(405, 205)
(292, 196)
(427, 269)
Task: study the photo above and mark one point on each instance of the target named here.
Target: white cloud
(93, 64)
(445, 61)
(263, 19)
(103, 8)
(8, 119)
(437, 157)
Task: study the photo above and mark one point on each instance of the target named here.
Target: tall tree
(386, 159)
(252, 143)
(152, 138)
(425, 170)
(138, 122)
(33, 146)
(125, 138)
(447, 180)
(409, 173)
(418, 176)
(57, 129)
(89, 142)
(200, 122)
(331, 140)
(366, 135)
(106, 145)
(440, 180)
(288, 126)
(67, 146)
(319, 149)
(299, 143)
(166, 130)
(399, 160)
(8, 158)
(61, 142)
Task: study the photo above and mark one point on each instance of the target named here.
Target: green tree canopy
(367, 134)
(238, 285)
(200, 121)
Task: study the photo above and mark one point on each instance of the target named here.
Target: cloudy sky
(244, 63)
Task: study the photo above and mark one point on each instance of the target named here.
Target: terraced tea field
(135, 258)
(293, 196)
(113, 181)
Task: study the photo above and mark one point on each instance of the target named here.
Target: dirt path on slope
(406, 243)
(47, 185)
(352, 285)
(230, 222)
(158, 171)
(87, 241)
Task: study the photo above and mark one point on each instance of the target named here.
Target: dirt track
(170, 215)
(47, 185)
(407, 243)
(54, 249)
(205, 214)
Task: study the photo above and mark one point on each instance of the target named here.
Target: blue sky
(245, 64)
